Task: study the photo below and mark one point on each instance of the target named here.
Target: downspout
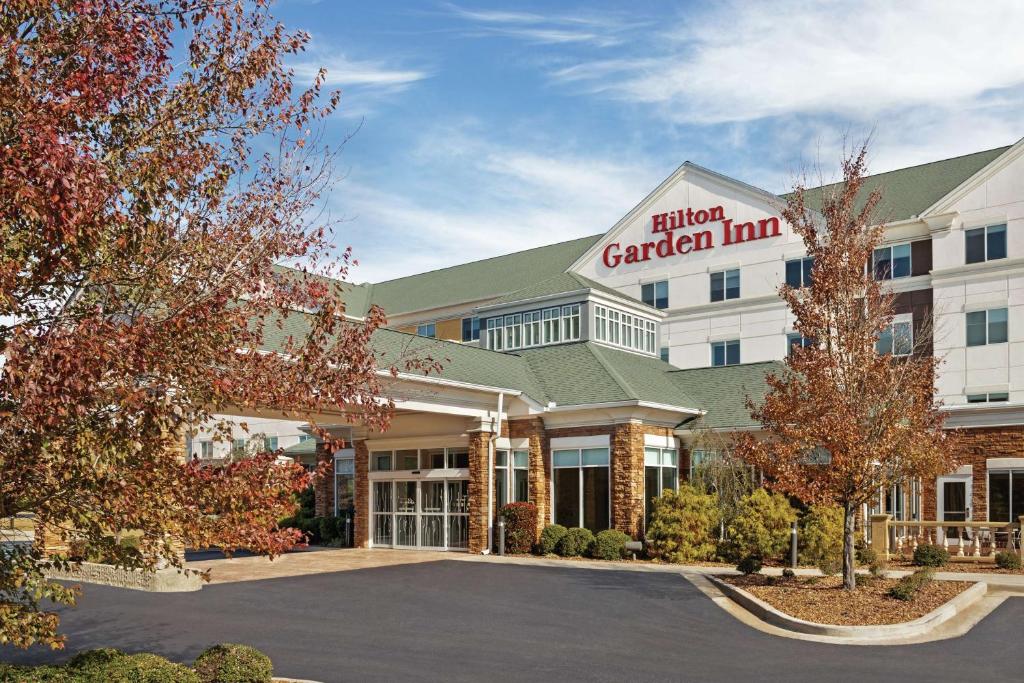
(495, 434)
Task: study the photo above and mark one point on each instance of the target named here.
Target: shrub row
(227, 663)
(318, 530)
(609, 544)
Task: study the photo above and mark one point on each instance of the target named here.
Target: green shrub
(788, 573)
(750, 564)
(90, 661)
(550, 536)
(821, 536)
(142, 668)
(683, 526)
(35, 674)
(878, 567)
(610, 544)
(330, 529)
(230, 663)
(1008, 560)
(931, 556)
(908, 586)
(520, 526)
(866, 556)
(761, 526)
(575, 543)
(830, 565)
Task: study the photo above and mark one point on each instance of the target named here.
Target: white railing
(970, 541)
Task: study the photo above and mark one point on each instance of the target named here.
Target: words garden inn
(589, 375)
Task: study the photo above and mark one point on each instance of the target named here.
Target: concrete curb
(160, 581)
(911, 629)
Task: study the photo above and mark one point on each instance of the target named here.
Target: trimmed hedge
(931, 556)
(761, 526)
(576, 542)
(683, 526)
(610, 544)
(520, 526)
(1008, 560)
(550, 537)
(821, 537)
(232, 663)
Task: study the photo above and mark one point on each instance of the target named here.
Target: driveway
(469, 621)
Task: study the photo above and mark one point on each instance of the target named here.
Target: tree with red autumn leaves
(873, 415)
(156, 163)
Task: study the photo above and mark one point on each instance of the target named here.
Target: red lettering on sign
(611, 260)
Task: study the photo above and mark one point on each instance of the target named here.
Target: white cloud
(483, 199)
(344, 71)
(600, 30)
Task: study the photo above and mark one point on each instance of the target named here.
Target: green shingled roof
(907, 192)
(559, 284)
(585, 372)
(486, 279)
(722, 391)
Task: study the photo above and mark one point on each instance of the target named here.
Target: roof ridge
(489, 258)
(722, 367)
(460, 345)
(619, 379)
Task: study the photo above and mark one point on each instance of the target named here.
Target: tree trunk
(849, 567)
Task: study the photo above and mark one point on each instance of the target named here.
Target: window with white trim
(531, 329)
(495, 334)
(513, 331)
(1005, 495)
(511, 476)
(798, 272)
(989, 397)
(987, 327)
(896, 339)
(625, 330)
(655, 294)
(891, 262)
(725, 352)
(426, 330)
(552, 326)
(581, 484)
(985, 244)
(725, 284)
(661, 471)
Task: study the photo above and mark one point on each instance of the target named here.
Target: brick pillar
(48, 540)
(628, 478)
(361, 530)
(533, 430)
(323, 488)
(478, 447)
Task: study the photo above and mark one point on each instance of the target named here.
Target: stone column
(627, 478)
(361, 529)
(323, 488)
(479, 442)
(540, 464)
(880, 535)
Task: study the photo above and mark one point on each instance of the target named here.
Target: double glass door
(421, 513)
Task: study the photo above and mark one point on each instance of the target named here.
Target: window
(700, 457)
(892, 262)
(655, 294)
(1005, 495)
(663, 353)
(380, 461)
(513, 331)
(426, 330)
(986, 327)
(551, 325)
(511, 476)
(897, 339)
(991, 397)
(205, 449)
(432, 458)
(238, 446)
(303, 437)
(661, 471)
(270, 443)
(457, 458)
(613, 327)
(407, 459)
(798, 272)
(571, 322)
(725, 352)
(531, 329)
(795, 339)
(344, 484)
(600, 323)
(652, 337)
(985, 244)
(470, 329)
(581, 487)
(495, 334)
(725, 284)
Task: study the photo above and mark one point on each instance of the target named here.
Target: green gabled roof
(559, 284)
(907, 192)
(478, 280)
(307, 447)
(356, 297)
(584, 372)
(723, 391)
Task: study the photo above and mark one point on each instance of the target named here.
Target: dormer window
(629, 331)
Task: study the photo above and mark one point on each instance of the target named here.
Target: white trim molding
(595, 441)
(1004, 463)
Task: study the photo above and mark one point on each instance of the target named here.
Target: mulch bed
(824, 601)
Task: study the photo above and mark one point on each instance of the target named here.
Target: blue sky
(483, 128)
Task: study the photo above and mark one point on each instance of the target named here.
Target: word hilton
(665, 224)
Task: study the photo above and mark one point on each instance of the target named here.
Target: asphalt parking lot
(468, 621)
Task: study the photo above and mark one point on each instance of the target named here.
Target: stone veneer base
(167, 580)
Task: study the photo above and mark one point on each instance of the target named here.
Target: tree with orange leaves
(844, 419)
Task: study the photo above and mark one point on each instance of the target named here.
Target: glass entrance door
(421, 513)
(954, 505)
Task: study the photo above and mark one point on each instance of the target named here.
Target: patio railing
(970, 541)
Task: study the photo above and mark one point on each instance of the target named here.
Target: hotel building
(588, 375)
